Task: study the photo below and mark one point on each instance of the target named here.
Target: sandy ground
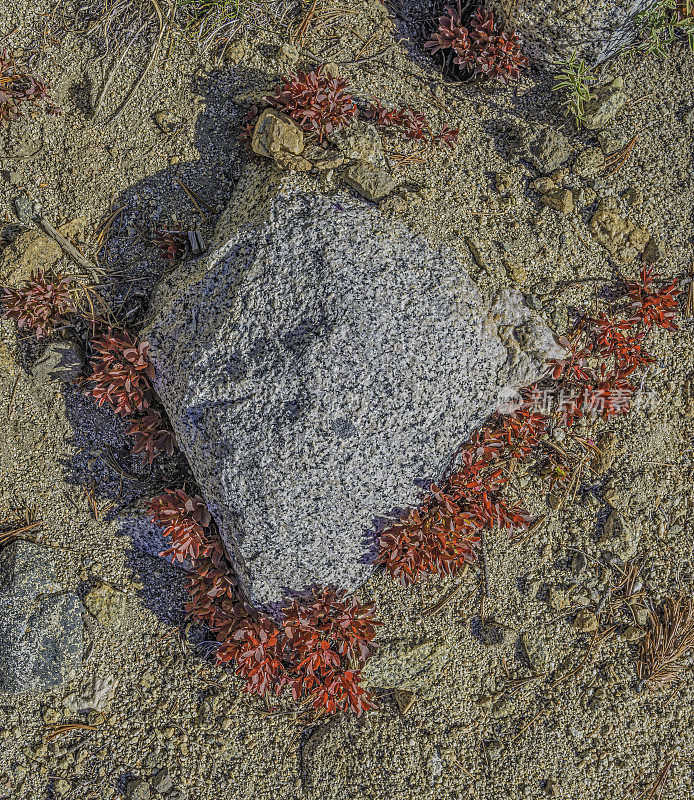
(578, 730)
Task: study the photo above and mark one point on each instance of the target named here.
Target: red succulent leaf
(649, 303)
(481, 48)
(121, 372)
(151, 436)
(40, 304)
(316, 101)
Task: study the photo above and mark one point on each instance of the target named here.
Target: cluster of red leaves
(482, 48)
(184, 519)
(318, 102)
(151, 436)
(17, 88)
(121, 369)
(315, 650)
(171, 242)
(651, 302)
(40, 304)
(441, 535)
(412, 124)
(121, 372)
(605, 351)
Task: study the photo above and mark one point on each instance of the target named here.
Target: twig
(657, 785)
(528, 724)
(303, 26)
(429, 612)
(106, 228)
(192, 198)
(582, 240)
(619, 158)
(144, 72)
(10, 404)
(92, 270)
(689, 307)
(55, 730)
(367, 43)
(100, 98)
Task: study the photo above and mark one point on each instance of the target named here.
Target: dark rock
(40, 624)
(404, 700)
(62, 360)
(295, 364)
(652, 252)
(559, 199)
(578, 564)
(586, 621)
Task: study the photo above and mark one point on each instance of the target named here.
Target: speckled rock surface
(40, 624)
(317, 368)
(551, 29)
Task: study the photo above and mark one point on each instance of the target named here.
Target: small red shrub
(151, 437)
(650, 304)
(184, 519)
(256, 644)
(319, 103)
(171, 243)
(40, 304)
(16, 89)
(482, 48)
(122, 372)
(412, 124)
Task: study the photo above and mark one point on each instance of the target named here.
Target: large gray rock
(318, 366)
(554, 29)
(40, 624)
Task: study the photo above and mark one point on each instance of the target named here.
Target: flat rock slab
(319, 367)
(41, 626)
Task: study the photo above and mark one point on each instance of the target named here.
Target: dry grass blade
(51, 731)
(657, 785)
(429, 612)
(303, 25)
(667, 643)
(7, 536)
(618, 159)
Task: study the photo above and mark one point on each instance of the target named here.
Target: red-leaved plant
(171, 243)
(316, 649)
(481, 48)
(442, 534)
(151, 436)
(318, 102)
(40, 304)
(412, 124)
(651, 302)
(17, 88)
(121, 372)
